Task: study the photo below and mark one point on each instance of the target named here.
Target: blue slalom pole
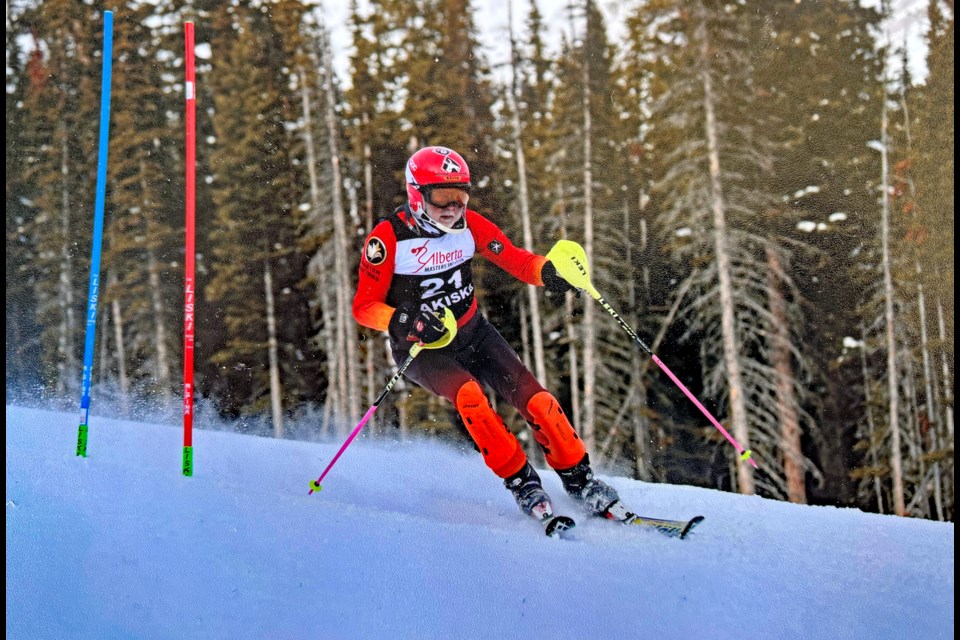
(94, 290)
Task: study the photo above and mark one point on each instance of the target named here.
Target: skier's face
(446, 206)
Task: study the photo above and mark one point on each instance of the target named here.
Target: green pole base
(314, 486)
(188, 461)
(82, 441)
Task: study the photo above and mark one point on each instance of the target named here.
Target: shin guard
(562, 446)
(500, 449)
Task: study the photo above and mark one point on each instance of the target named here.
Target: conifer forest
(764, 189)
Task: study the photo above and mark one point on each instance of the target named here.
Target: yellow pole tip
(746, 455)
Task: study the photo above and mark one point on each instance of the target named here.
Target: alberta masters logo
(376, 251)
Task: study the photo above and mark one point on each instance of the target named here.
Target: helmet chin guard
(432, 226)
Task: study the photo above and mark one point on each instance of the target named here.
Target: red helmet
(435, 167)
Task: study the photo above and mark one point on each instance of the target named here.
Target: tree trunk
(402, 412)
(931, 411)
(536, 325)
(571, 332)
(276, 404)
(368, 180)
(524, 336)
(164, 377)
(118, 338)
(896, 464)
(346, 334)
(333, 405)
(945, 366)
(745, 479)
(335, 408)
(368, 227)
(574, 367)
(947, 386)
(914, 442)
(104, 358)
(589, 433)
(67, 364)
(786, 400)
(641, 423)
(932, 415)
(868, 402)
(529, 444)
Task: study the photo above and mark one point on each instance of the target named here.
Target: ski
(555, 526)
(671, 528)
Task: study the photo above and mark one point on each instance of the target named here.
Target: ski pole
(570, 261)
(450, 322)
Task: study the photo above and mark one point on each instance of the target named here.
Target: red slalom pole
(190, 92)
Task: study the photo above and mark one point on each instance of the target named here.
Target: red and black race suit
(401, 265)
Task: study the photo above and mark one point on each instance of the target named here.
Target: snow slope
(417, 540)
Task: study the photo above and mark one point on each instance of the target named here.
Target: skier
(417, 262)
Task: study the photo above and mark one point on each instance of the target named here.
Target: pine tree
(935, 200)
(23, 366)
(60, 139)
(711, 140)
(825, 111)
(143, 238)
(935, 161)
(904, 450)
(419, 83)
(255, 240)
(525, 101)
(585, 164)
(378, 140)
(933, 230)
(344, 264)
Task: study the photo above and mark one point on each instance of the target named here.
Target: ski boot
(594, 496)
(528, 491)
(534, 501)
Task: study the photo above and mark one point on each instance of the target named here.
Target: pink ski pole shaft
(744, 454)
(315, 484)
(353, 434)
(570, 260)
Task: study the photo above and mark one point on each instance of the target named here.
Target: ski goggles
(448, 198)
